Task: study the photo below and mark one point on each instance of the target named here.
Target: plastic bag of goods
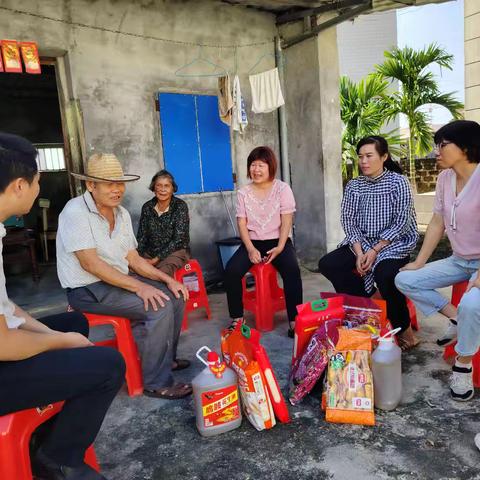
(350, 380)
(238, 354)
(307, 370)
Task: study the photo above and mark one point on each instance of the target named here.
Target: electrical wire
(130, 34)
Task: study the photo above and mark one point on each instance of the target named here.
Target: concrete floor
(427, 437)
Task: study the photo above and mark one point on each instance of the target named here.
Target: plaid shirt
(380, 208)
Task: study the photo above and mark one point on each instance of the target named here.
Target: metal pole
(282, 118)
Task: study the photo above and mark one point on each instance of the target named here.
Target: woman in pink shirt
(265, 210)
(456, 211)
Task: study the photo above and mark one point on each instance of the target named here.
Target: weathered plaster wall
(314, 130)
(116, 77)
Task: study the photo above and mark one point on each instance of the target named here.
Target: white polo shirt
(82, 227)
(7, 308)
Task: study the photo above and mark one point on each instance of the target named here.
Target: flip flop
(176, 391)
(181, 364)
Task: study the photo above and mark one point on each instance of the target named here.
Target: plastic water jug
(215, 392)
(387, 372)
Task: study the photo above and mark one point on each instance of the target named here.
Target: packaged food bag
(251, 337)
(310, 316)
(238, 354)
(361, 311)
(307, 370)
(350, 380)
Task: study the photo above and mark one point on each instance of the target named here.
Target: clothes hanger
(180, 72)
(265, 55)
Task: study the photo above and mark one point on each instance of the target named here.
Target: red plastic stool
(413, 315)
(197, 299)
(125, 344)
(266, 298)
(457, 292)
(15, 432)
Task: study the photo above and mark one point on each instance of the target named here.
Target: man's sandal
(180, 364)
(179, 390)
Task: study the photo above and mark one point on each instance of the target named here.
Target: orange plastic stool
(15, 432)
(197, 299)
(457, 292)
(125, 344)
(266, 298)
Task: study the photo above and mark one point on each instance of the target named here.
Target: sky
(441, 23)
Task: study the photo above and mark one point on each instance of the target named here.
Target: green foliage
(363, 109)
(418, 88)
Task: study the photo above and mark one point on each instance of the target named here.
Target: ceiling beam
(350, 13)
(295, 15)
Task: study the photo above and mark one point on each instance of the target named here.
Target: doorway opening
(30, 107)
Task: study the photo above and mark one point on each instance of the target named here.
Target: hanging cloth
(225, 100)
(266, 91)
(239, 112)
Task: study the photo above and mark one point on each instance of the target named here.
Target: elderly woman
(456, 211)
(163, 233)
(265, 210)
(380, 227)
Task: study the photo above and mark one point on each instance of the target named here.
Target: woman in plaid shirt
(378, 218)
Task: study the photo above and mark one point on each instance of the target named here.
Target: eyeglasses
(440, 145)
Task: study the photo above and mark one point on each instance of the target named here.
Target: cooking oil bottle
(215, 392)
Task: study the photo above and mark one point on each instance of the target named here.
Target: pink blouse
(460, 212)
(263, 216)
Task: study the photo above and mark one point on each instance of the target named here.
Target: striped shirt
(82, 227)
(380, 208)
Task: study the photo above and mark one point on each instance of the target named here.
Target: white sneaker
(461, 383)
(450, 334)
(477, 440)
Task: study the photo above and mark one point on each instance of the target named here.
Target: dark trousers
(286, 264)
(86, 378)
(339, 267)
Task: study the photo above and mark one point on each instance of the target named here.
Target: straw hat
(105, 167)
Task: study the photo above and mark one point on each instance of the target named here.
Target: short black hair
(18, 159)
(465, 134)
(163, 173)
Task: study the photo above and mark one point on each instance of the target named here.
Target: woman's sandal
(406, 346)
(180, 364)
(179, 390)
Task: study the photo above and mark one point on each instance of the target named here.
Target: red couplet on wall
(30, 57)
(11, 56)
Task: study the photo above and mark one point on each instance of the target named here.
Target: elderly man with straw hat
(98, 264)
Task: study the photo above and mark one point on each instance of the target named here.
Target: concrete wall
(472, 60)
(314, 132)
(118, 65)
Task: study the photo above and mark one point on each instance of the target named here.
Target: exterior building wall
(472, 60)
(117, 66)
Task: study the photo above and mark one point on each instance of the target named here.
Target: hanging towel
(225, 100)
(266, 91)
(239, 112)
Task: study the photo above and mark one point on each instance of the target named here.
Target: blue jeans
(419, 286)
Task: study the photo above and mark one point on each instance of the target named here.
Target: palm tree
(417, 89)
(362, 109)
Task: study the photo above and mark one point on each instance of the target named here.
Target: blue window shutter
(180, 140)
(214, 138)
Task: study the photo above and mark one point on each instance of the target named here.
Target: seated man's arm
(143, 267)
(19, 344)
(30, 324)
(92, 263)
